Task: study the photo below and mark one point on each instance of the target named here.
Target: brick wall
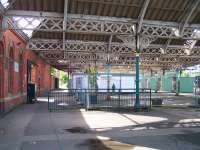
(10, 98)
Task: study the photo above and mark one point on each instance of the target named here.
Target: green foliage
(64, 79)
(192, 74)
(185, 74)
(91, 70)
(92, 73)
(195, 74)
(53, 71)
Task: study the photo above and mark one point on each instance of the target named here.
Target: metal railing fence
(97, 99)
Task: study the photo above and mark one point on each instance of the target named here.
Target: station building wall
(13, 71)
(121, 81)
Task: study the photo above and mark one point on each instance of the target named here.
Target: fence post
(150, 100)
(87, 100)
(85, 93)
(119, 93)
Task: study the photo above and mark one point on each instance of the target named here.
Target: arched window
(11, 70)
(1, 69)
(21, 83)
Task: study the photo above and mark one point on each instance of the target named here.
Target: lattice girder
(102, 25)
(101, 47)
(121, 58)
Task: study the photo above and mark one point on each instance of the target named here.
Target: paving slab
(32, 127)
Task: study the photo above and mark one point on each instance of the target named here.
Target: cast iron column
(178, 74)
(108, 77)
(137, 70)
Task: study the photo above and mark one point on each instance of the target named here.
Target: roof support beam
(109, 49)
(65, 20)
(188, 15)
(167, 45)
(88, 24)
(109, 43)
(41, 14)
(115, 48)
(142, 14)
(2, 9)
(44, 14)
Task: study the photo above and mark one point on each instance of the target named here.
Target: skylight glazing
(5, 3)
(29, 23)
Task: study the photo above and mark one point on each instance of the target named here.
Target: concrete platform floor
(169, 99)
(32, 127)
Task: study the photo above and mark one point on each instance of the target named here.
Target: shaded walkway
(32, 127)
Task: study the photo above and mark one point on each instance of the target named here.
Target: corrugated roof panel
(105, 11)
(107, 8)
(196, 18)
(134, 9)
(100, 8)
(166, 10)
(79, 7)
(39, 5)
(112, 10)
(93, 8)
(125, 9)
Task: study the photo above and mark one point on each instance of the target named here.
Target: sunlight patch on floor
(45, 99)
(102, 119)
(110, 144)
(189, 120)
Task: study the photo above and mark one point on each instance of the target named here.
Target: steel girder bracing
(174, 56)
(75, 61)
(77, 46)
(75, 23)
(99, 25)
(89, 58)
(114, 58)
(101, 47)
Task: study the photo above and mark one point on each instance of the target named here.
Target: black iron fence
(97, 99)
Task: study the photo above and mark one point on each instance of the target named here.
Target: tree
(92, 74)
(64, 78)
